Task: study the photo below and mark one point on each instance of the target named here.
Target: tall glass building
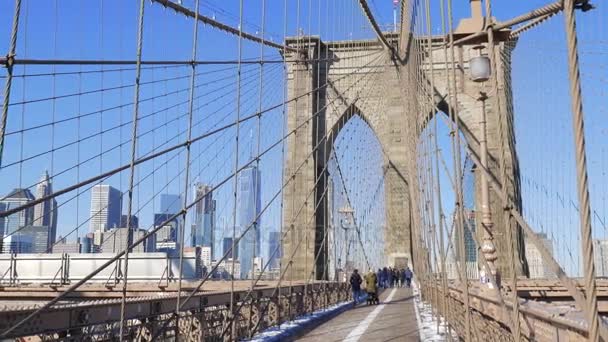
(248, 207)
(203, 228)
(274, 249)
(15, 240)
(45, 213)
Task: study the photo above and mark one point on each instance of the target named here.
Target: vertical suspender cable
(581, 170)
(508, 225)
(256, 177)
(236, 169)
(182, 225)
(456, 151)
(140, 32)
(283, 164)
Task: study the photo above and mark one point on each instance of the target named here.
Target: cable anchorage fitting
(8, 61)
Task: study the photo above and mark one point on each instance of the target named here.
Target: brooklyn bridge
(205, 170)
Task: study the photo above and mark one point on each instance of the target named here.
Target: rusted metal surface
(202, 318)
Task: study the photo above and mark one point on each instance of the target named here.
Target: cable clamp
(9, 61)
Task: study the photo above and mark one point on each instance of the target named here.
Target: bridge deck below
(394, 319)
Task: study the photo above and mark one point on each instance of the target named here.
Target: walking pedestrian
(408, 276)
(385, 277)
(355, 285)
(380, 278)
(371, 287)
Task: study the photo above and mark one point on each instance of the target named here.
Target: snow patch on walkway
(428, 329)
(287, 328)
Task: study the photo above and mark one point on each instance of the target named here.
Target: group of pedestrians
(385, 278)
(394, 277)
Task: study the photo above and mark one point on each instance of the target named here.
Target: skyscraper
(116, 241)
(203, 228)
(45, 213)
(248, 208)
(274, 246)
(38, 237)
(170, 205)
(134, 221)
(226, 245)
(166, 237)
(14, 240)
(106, 208)
(16, 198)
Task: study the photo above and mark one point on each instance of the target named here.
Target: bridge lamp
(479, 66)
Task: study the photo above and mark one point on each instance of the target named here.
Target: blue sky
(106, 30)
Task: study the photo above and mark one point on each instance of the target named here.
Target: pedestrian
(390, 277)
(355, 285)
(380, 278)
(395, 277)
(385, 277)
(371, 287)
(402, 273)
(408, 276)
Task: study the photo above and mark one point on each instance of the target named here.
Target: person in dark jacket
(408, 277)
(380, 278)
(355, 285)
(385, 277)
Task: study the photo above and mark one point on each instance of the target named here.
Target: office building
(600, 255)
(170, 205)
(63, 246)
(206, 256)
(229, 269)
(38, 238)
(203, 228)
(248, 208)
(274, 249)
(166, 236)
(45, 213)
(536, 265)
(17, 243)
(226, 245)
(133, 224)
(106, 208)
(87, 245)
(13, 222)
(116, 240)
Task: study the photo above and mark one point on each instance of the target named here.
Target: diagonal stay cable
(256, 218)
(162, 152)
(171, 218)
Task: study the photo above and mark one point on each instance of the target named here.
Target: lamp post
(346, 224)
(479, 67)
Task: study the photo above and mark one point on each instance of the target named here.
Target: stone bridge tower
(373, 91)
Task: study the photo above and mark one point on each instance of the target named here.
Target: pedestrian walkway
(394, 319)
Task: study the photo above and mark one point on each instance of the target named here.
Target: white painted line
(356, 334)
